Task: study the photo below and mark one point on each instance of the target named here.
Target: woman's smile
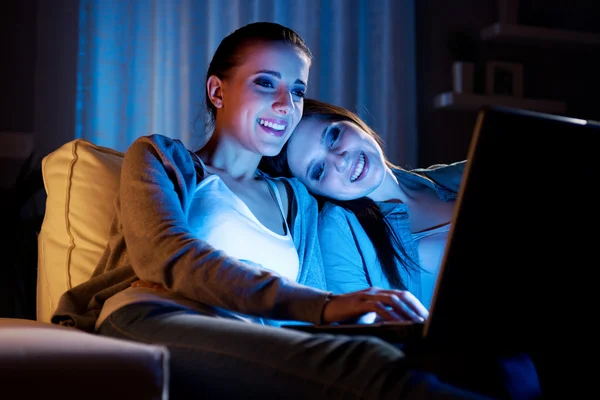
(273, 127)
(360, 167)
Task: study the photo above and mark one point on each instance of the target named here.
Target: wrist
(329, 297)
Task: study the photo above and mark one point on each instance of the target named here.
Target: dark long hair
(388, 246)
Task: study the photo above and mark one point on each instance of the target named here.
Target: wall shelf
(537, 35)
(472, 101)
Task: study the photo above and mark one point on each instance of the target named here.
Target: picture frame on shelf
(504, 78)
(462, 76)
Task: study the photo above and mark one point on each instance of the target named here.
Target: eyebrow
(321, 141)
(278, 75)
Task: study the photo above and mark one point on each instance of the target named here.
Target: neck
(389, 190)
(222, 154)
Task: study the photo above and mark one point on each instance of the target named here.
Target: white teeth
(271, 125)
(359, 167)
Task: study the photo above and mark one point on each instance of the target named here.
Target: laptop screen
(519, 236)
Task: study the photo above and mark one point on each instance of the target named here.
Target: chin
(271, 152)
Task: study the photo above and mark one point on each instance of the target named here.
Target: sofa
(39, 359)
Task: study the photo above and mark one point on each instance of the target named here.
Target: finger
(414, 304)
(387, 313)
(398, 306)
(408, 300)
(406, 312)
(387, 305)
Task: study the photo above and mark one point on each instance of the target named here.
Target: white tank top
(220, 217)
(431, 245)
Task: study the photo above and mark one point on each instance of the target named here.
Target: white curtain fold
(142, 63)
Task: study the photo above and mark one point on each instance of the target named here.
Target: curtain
(141, 64)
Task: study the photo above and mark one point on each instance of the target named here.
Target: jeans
(217, 358)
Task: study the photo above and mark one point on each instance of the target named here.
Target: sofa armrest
(41, 360)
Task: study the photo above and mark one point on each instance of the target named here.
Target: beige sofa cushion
(81, 180)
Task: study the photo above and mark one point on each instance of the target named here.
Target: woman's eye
(264, 83)
(318, 174)
(299, 93)
(334, 134)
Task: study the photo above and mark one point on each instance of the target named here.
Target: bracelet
(327, 300)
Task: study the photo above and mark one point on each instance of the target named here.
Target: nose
(339, 160)
(284, 104)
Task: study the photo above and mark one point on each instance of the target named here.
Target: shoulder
(146, 148)
(446, 176)
(289, 193)
(332, 209)
(156, 154)
(285, 192)
(293, 189)
(455, 166)
(298, 188)
(452, 168)
(339, 227)
(333, 213)
(156, 143)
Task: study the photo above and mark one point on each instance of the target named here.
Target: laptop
(519, 252)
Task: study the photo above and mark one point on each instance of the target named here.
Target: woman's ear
(214, 88)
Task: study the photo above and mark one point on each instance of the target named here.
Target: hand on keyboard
(387, 305)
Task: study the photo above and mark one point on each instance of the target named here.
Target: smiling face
(260, 102)
(338, 160)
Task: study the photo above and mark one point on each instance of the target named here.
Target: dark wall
(56, 73)
(17, 85)
(38, 60)
(20, 181)
(45, 34)
(551, 71)
(17, 52)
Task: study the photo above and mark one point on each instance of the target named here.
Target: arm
(157, 182)
(346, 275)
(345, 269)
